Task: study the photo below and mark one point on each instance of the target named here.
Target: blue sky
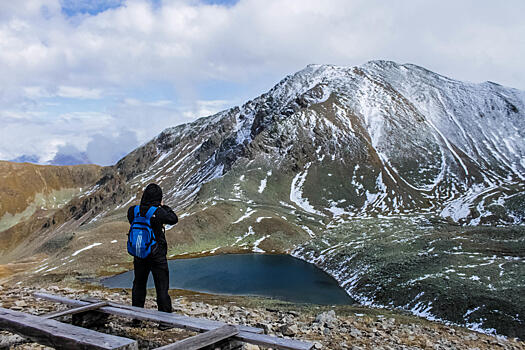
(80, 73)
(72, 8)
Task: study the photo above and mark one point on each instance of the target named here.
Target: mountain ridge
(31, 193)
(327, 164)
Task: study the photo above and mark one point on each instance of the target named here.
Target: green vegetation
(53, 200)
(467, 275)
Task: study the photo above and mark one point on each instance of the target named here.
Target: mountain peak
(334, 152)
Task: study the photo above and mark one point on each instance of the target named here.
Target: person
(156, 261)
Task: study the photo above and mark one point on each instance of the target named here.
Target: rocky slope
(27, 190)
(329, 163)
(408, 139)
(340, 328)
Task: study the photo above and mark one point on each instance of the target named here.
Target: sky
(96, 79)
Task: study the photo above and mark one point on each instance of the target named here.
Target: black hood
(152, 195)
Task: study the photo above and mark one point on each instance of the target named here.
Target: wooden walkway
(211, 331)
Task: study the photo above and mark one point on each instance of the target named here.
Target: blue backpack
(141, 237)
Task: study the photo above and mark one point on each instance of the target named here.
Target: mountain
(30, 192)
(408, 141)
(405, 185)
(68, 158)
(25, 159)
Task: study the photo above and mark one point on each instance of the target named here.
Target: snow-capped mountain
(319, 166)
(381, 138)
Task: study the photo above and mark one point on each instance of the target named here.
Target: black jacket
(163, 215)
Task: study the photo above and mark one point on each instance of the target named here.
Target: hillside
(29, 190)
(409, 141)
(405, 185)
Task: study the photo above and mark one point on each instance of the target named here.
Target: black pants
(159, 268)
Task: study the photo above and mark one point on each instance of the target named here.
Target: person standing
(155, 262)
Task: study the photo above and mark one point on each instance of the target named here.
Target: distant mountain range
(58, 159)
(318, 164)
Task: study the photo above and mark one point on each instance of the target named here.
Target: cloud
(147, 65)
(78, 92)
(206, 107)
(69, 154)
(148, 118)
(185, 42)
(42, 134)
(137, 102)
(107, 150)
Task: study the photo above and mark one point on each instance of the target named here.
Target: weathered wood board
(185, 322)
(60, 335)
(204, 339)
(190, 323)
(273, 342)
(75, 310)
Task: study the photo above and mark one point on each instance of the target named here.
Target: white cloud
(42, 135)
(137, 102)
(107, 149)
(34, 92)
(203, 108)
(252, 45)
(148, 118)
(78, 92)
(182, 42)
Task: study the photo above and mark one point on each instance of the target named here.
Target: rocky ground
(345, 327)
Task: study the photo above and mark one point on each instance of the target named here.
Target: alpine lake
(280, 277)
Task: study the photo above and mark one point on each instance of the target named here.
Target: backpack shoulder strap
(150, 213)
(136, 211)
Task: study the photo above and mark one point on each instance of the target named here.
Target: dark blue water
(276, 276)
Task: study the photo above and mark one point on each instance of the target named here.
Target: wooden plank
(205, 323)
(204, 339)
(274, 342)
(179, 321)
(75, 310)
(60, 335)
(209, 324)
(191, 323)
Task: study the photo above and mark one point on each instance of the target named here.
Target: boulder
(327, 319)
